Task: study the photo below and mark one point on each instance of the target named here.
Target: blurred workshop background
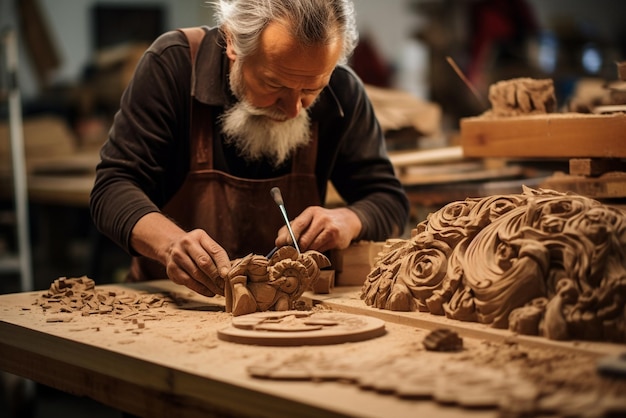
(75, 57)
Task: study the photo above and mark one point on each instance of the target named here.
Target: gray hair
(311, 22)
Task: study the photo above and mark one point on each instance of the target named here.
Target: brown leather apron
(239, 214)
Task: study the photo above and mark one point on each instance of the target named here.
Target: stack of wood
(592, 142)
(602, 177)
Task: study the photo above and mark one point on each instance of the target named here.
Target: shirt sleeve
(363, 174)
(147, 140)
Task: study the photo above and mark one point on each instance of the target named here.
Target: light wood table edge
(140, 387)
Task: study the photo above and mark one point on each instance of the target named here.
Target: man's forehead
(284, 55)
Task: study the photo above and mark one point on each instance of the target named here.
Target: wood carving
(541, 263)
(295, 328)
(522, 96)
(256, 283)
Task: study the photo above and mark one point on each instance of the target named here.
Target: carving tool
(278, 198)
(468, 83)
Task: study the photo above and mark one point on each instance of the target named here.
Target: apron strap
(201, 129)
(194, 35)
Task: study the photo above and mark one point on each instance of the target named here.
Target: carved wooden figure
(256, 283)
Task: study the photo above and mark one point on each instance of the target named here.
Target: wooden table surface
(175, 365)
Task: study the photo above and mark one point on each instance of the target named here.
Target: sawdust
(517, 381)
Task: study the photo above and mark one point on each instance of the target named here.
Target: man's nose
(291, 104)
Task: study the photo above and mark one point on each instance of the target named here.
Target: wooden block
(557, 135)
(325, 283)
(593, 167)
(353, 264)
(607, 186)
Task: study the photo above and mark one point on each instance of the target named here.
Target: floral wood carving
(540, 263)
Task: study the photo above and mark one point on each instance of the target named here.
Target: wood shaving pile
(79, 295)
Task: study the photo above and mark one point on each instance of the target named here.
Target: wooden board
(298, 328)
(555, 135)
(421, 178)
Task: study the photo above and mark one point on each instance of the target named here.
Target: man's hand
(321, 229)
(192, 259)
(195, 260)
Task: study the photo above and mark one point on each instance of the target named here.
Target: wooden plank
(416, 178)
(566, 135)
(437, 155)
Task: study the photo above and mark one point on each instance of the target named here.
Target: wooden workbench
(175, 365)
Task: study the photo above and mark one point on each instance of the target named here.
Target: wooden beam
(558, 135)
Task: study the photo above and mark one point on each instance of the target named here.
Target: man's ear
(230, 50)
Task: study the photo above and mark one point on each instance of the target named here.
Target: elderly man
(215, 118)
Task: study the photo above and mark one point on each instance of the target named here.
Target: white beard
(254, 131)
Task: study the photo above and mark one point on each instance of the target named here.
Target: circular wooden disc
(294, 328)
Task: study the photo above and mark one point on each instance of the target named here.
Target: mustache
(270, 113)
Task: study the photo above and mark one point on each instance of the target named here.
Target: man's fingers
(299, 226)
(207, 265)
(182, 277)
(198, 262)
(301, 223)
(198, 268)
(219, 262)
